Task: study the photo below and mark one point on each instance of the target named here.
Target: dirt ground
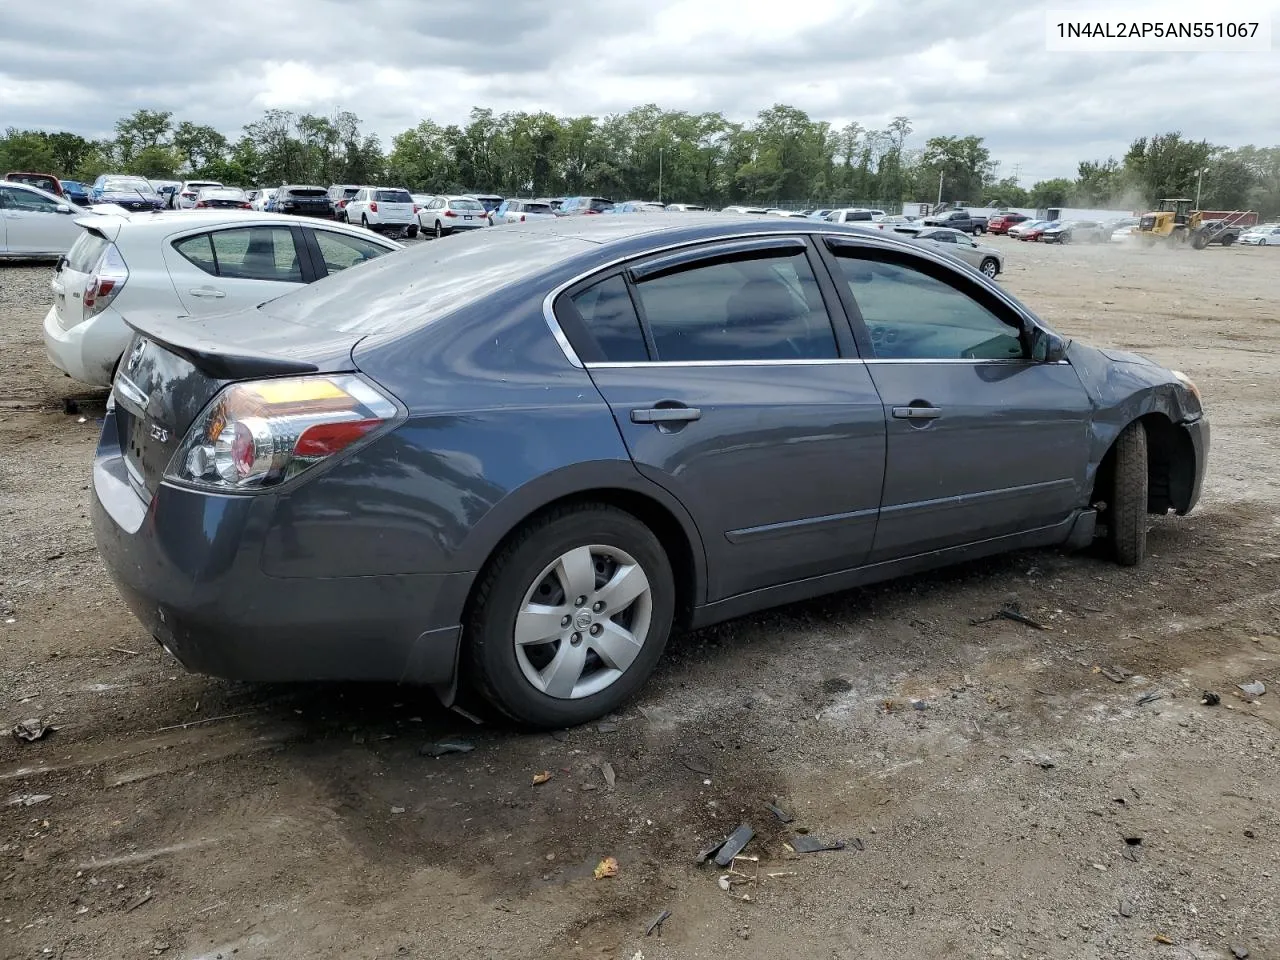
(1032, 808)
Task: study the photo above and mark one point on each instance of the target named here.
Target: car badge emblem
(136, 357)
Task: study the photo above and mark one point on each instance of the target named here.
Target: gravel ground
(1003, 791)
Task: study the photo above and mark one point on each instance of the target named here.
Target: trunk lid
(173, 368)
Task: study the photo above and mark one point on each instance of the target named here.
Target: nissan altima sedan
(521, 459)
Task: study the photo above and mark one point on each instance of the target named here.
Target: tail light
(522, 218)
(104, 282)
(200, 204)
(263, 433)
(342, 203)
(415, 208)
(246, 206)
(373, 206)
(450, 213)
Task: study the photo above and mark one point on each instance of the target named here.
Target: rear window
(393, 196)
(44, 183)
(419, 285)
(600, 205)
(86, 251)
(307, 192)
(466, 205)
(538, 208)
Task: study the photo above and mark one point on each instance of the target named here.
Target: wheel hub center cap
(582, 619)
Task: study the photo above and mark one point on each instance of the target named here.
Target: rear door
(733, 390)
(394, 206)
(214, 271)
(983, 440)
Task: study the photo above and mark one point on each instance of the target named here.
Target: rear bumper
(88, 351)
(188, 565)
(323, 212)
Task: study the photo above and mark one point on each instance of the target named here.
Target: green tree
(1007, 193)
(141, 130)
(1166, 165)
(1098, 183)
(201, 147)
(964, 164)
(26, 150)
(1051, 193)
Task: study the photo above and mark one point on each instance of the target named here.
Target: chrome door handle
(917, 413)
(666, 415)
(208, 292)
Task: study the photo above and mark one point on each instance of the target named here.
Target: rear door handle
(666, 415)
(210, 293)
(917, 413)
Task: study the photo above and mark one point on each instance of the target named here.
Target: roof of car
(163, 221)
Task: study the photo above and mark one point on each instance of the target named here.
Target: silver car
(36, 223)
(987, 259)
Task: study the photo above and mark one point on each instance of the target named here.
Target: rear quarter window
(86, 251)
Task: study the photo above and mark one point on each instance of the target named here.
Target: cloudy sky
(951, 66)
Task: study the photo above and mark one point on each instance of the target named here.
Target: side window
(199, 251)
(941, 236)
(765, 308)
(610, 319)
(340, 251)
(30, 202)
(911, 315)
(257, 253)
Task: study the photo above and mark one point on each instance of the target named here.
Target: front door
(733, 390)
(33, 224)
(983, 441)
(227, 269)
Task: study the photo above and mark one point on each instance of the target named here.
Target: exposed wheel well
(649, 512)
(1171, 467)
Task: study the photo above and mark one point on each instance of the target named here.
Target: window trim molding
(867, 240)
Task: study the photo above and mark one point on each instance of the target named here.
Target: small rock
(1240, 953)
(1126, 908)
(1254, 688)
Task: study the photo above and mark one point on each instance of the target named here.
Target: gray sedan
(581, 434)
(986, 258)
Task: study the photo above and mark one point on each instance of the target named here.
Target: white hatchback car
(384, 209)
(446, 214)
(187, 264)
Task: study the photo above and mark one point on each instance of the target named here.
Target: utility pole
(1199, 182)
(659, 174)
(939, 188)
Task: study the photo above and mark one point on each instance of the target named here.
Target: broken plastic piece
(782, 815)
(734, 844)
(804, 844)
(444, 747)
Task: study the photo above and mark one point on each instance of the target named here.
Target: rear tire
(364, 221)
(411, 231)
(1127, 509)
(517, 579)
(1228, 240)
(439, 232)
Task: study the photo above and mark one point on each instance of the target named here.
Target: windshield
(393, 196)
(127, 186)
(423, 283)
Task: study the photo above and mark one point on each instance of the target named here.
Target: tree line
(783, 156)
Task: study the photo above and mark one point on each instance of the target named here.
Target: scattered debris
(697, 764)
(1250, 835)
(1126, 908)
(777, 811)
(397, 809)
(540, 778)
(1114, 674)
(1130, 854)
(656, 923)
(724, 882)
(782, 873)
(610, 777)
(467, 715)
(145, 898)
(1210, 699)
(1161, 938)
(608, 867)
(32, 730)
(125, 650)
(807, 844)
(1151, 697)
(197, 723)
(734, 844)
(27, 799)
(1010, 611)
(560, 736)
(443, 747)
(1044, 763)
(921, 705)
(1240, 953)
(857, 844)
(607, 727)
(1254, 688)
(1133, 841)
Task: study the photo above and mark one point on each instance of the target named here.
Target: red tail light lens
(522, 218)
(415, 208)
(373, 206)
(450, 213)
(246, 206)
(260, 434)
(201, 204)
(104, 282)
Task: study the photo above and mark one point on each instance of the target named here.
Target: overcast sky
(951, 66)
